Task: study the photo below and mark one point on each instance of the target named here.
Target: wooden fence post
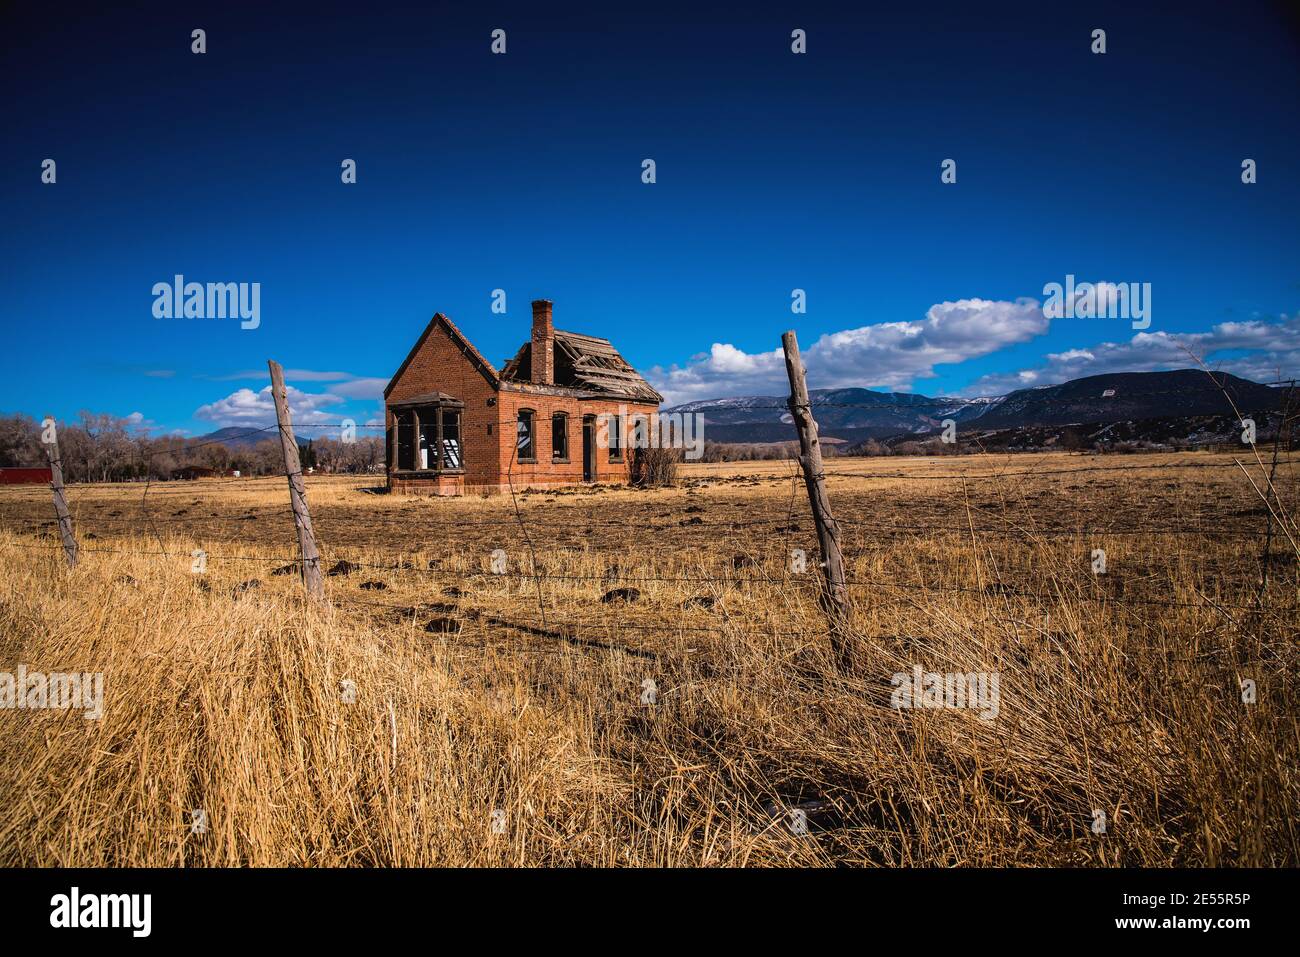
(835, 599)
(311, 575)
(56, 486)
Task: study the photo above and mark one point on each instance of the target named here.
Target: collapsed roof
(587, 363)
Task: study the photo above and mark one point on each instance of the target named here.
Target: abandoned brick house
(555, 414)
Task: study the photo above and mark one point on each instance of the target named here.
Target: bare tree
(20, 441)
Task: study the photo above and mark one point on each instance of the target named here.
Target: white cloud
(361, 389)
(884, 355)
(137, 422)
(246, 407)
(1256, 349)
(290, 375)
(310, 375)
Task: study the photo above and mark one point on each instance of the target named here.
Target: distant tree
(20, 441)
(268, 458)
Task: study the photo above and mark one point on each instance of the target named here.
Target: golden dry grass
(1119, 692)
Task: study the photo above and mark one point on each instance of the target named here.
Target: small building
(26, 476)
(189, 473)
(555, 414)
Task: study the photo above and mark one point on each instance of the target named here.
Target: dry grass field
(499, 719)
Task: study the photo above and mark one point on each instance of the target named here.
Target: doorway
(589, 448)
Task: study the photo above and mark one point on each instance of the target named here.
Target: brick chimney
(543, 358)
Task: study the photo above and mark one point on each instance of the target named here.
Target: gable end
(457, 337)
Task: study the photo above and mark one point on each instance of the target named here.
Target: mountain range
(855, 415)
(244, 437)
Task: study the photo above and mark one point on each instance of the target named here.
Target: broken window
(450, 439)
(559, 437)
(616, 438)
(524, 445)
(428, 438)
(427, 435)
(406, 439)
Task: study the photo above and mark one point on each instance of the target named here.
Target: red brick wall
(545, 471)
(542, 354)
(440, 366)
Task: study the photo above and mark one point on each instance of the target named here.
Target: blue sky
(522, 172)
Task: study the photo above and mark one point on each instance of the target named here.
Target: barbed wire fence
(745, 570)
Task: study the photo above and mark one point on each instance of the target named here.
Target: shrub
(655, 467)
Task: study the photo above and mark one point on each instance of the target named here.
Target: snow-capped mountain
(858, 414)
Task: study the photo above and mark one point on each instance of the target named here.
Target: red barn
(555, 414)
(26, 476)
(189, 473)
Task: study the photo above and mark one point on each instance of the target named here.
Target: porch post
(415, 418)
(438, 459)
